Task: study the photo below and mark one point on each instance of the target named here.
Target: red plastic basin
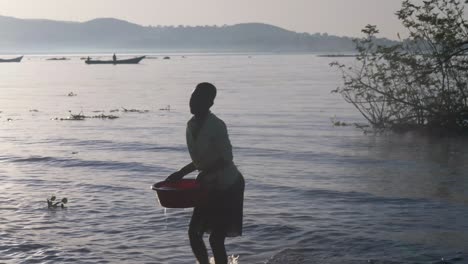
(185, 193)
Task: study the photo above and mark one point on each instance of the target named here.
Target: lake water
(315, 193)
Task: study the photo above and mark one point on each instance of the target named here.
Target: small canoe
(127, 61)
(12, 60)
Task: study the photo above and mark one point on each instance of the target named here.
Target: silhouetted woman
(211, 153)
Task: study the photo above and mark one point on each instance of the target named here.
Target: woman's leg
(196, 242)
(217, 245)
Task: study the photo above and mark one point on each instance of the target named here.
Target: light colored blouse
(209, 146)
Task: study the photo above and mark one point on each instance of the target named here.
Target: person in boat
(211, 153)
(114, 58)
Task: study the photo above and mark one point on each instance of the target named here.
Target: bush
(419, 83)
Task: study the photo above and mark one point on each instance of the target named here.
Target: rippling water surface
(315, 193)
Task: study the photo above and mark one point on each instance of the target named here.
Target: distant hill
(109, 34)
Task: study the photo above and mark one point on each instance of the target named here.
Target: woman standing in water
(211, 153)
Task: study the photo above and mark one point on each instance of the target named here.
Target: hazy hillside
(108, 34)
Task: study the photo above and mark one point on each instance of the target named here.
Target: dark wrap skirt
(222, 213)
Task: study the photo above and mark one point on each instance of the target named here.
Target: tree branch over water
(419, 83)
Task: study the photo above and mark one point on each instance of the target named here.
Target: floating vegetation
(134, 110)
(338, 123)
(98, 111)
(72, 94)
(167, 108)
(364, 127)
(72, 117)
(34, 110)
(53, 202)
(58, 59)
(81, 117)
(103, 116)
(167, 58)
(69, 118)
(337, 55)
(361, 126)
(114, 110)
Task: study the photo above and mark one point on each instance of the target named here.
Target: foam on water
(231, 260)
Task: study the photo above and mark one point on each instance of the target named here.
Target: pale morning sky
(338, 17)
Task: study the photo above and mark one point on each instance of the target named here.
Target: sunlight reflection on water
(314, 192)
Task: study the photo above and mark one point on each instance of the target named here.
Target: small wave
(8, 249)
(287, 256)
(103, 188)
(282, 154)
(32, 159)
(95, 164)
(115, 145)
(313, 157)
(335, 195)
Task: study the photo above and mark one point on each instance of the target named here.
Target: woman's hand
(201, 176)
(178, 175)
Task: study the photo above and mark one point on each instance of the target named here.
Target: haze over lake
(33, 36)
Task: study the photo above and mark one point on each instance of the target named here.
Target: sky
(336, 17)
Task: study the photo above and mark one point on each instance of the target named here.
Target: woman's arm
(223, 145)
(189, 168)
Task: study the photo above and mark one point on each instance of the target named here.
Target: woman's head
(202, 98)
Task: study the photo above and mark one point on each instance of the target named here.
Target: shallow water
(315, 193)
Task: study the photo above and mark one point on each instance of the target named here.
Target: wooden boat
(126, 61)
(12, 60)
